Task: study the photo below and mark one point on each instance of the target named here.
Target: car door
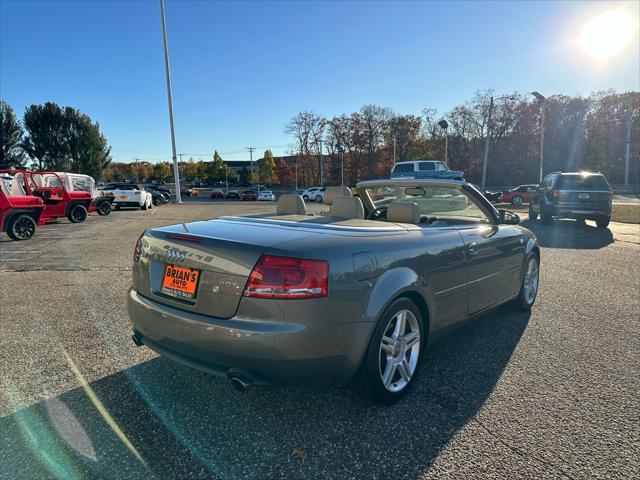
(494, 255)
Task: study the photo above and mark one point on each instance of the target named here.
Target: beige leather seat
(403, 212)
(331, 193)
(291, 205)
(347, 207)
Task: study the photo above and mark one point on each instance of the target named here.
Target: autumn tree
(267, 169)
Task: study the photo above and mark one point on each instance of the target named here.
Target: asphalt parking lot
(547, 394)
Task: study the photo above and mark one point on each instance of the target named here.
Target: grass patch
(626, 213)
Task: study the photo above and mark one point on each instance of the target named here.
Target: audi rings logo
(174, 255)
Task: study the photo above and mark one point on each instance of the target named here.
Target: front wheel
(157, 201)
(77, 214)
(517, 201)
(104, 208)
(21, 227)
(530, 283)
(392, 358)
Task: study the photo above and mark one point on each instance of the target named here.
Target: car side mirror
(508, 218)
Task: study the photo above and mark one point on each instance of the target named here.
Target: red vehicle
(519, 195)
(19, 212)
(68, 195)
(250, 195)
(217, 194)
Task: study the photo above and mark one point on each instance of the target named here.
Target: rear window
(583, 182)
(403, 167)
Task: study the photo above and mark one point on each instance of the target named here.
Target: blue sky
(240, 70)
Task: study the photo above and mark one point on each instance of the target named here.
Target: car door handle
(472, 248)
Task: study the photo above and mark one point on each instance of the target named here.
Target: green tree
(65, 139)
(216, 168)
(11, 152)
(267, 168)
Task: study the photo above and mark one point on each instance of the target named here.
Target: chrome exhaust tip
(239, 384)
(137, 340)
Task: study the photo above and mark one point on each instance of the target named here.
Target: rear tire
(318, 198)
(104, 208)
(305, 198)
(21, 227)
(77, 214)
(143, 207)
(532, 215)
(603, 222)
(517, 201)
(392, 359)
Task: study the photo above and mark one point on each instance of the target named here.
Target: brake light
(555, 193)
(137, 251)
(287, 278)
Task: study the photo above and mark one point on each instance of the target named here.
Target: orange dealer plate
(180, 282)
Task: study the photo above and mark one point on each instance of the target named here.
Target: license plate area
(583, 196)
(180, 282)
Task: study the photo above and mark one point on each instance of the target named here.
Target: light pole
(176, 173)
(542, 99)
(341, 167)
(486, 145)
(444, 125)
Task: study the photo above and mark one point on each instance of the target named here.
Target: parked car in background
(425, 169)
(130, 195)
(249, 195)
(356, 295)
(314, 194)
(217, 194)
(266, 196)
(578, 195)
(19, 211)
(519, 195)
(165, 193)
(233, 195)
(156, 197)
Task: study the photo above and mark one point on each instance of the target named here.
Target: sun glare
(607, 34)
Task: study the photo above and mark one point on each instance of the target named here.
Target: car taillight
(288, 278)
(555, 193)
(137, 251)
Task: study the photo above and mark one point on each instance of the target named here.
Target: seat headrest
(331, 193)
(403, 212)
(291, 205)
(347, 207)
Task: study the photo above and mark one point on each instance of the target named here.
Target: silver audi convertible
(353, 295)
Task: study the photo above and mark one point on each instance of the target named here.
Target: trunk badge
(174, 255)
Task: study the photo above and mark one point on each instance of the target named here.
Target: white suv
(315, 194)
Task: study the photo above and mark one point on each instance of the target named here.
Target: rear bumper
(577, 211)
(269, 352)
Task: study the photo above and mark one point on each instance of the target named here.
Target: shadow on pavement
(185, 424)
(569, 234)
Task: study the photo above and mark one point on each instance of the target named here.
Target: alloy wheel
(399, 351)
(531, 280)
(24, 228)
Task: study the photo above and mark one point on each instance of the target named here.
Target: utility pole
(176, 174)
(251, 149)
(486, 145)
(321, 167)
